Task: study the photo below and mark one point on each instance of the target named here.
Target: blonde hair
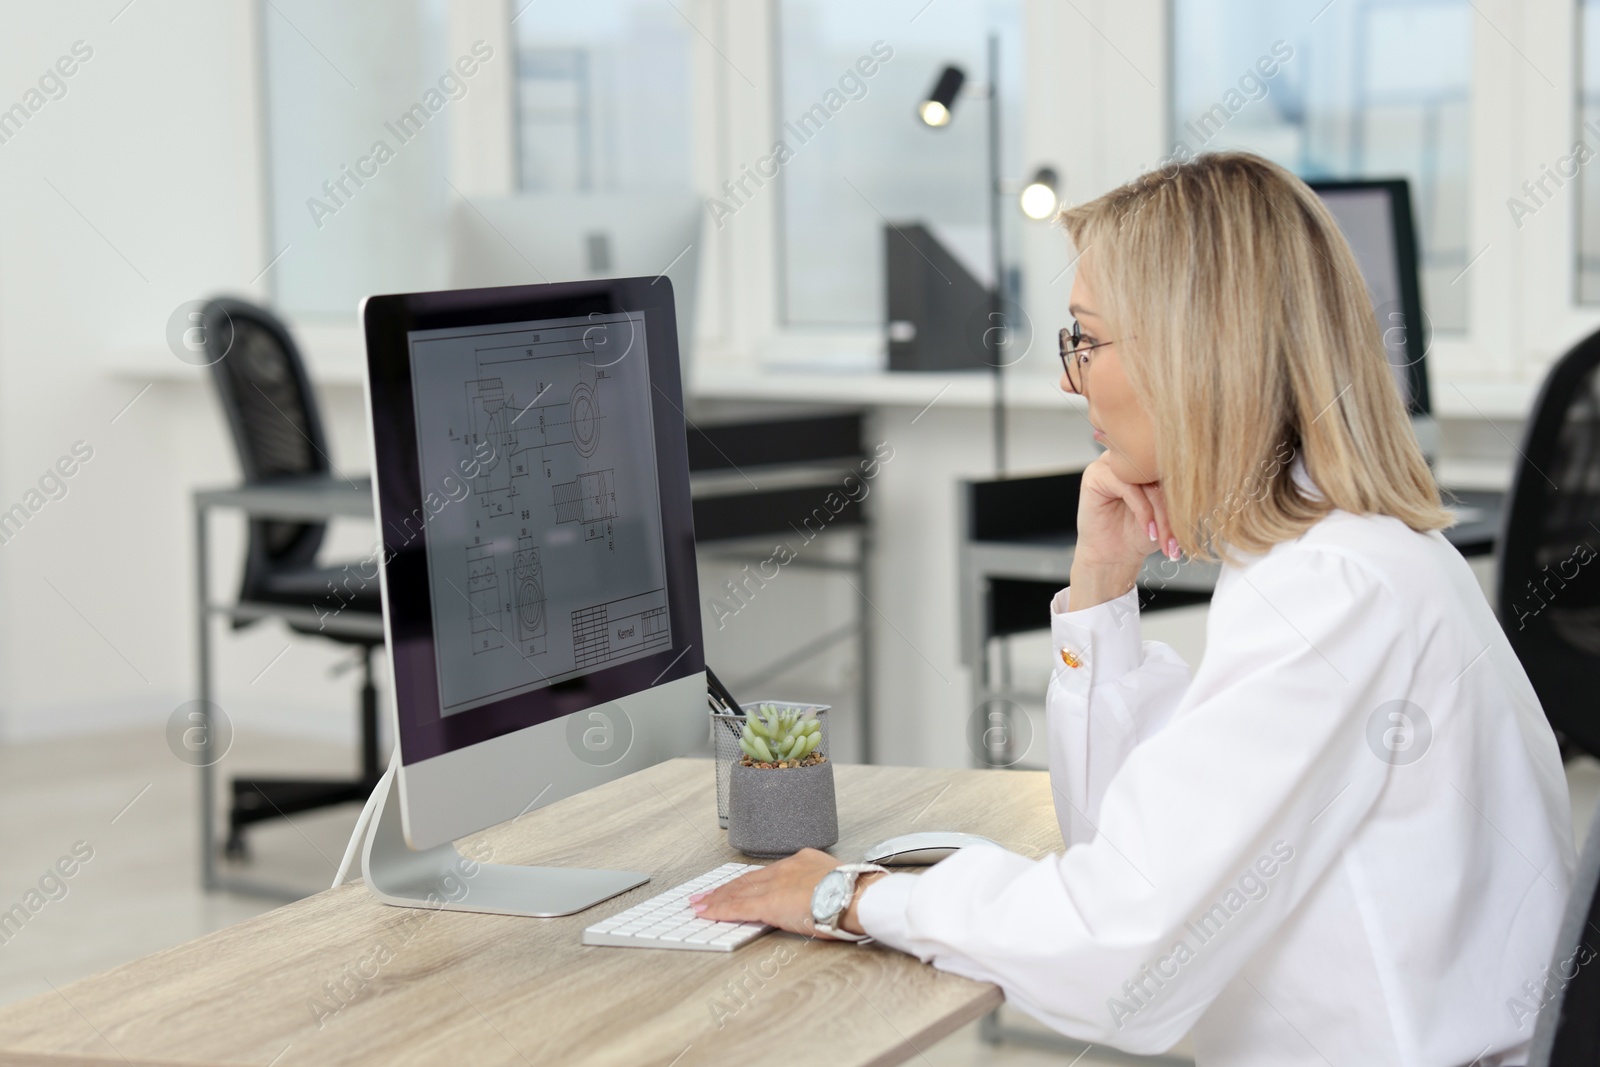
(1246, 331)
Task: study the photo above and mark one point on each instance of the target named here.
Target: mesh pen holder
(725, 729)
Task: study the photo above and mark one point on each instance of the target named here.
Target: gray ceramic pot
(777, 811)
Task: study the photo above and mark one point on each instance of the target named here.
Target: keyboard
(667, 920)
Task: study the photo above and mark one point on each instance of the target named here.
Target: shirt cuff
(882, 909)
(1096, 645)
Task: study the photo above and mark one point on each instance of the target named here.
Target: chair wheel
(235, 849)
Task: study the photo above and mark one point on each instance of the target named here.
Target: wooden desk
(429, 988)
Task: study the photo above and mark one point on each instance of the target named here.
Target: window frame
(1111, 119)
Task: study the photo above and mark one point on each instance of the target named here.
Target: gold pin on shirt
(1069, 659)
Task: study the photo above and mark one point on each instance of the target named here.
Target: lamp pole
(996, 295)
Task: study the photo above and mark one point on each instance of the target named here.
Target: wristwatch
(832, 897)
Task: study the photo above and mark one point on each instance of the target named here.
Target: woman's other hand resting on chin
(1119, 524)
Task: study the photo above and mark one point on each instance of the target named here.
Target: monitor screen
(1375, 218)
(554, 566)
(531, 475)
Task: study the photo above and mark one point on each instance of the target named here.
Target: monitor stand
(440, 878)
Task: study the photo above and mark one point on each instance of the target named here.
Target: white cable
(359, 834)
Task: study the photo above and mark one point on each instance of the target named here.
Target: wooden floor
(129, 800)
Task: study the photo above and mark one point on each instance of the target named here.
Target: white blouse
(1345, 840)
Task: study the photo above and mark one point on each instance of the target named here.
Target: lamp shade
(935, 109)
(1039, 196)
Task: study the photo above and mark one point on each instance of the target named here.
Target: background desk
(489, 989)
(1018, 537)
(304, 500)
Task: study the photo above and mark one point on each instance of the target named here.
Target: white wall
(137, 190)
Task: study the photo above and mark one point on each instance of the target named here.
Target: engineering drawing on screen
(545, 560)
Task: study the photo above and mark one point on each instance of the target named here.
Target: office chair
(277, 430)
(1549, 579)
(1568, 1031)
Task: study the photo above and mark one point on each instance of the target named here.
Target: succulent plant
(780, 735)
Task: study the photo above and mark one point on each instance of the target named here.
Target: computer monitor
(521, 238)
(540, 598)
(1375, 217)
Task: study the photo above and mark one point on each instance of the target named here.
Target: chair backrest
(802, 440)
(272, 413)
(828, 446)
(1568, 1030)
(1011, 509)
(1549, 574)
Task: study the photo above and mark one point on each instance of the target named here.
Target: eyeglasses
(1075, 355)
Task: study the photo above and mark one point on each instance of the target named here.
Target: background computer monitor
(1375, 217)
(539, 587)
(523, 238)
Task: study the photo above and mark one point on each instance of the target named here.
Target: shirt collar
(1302, 478)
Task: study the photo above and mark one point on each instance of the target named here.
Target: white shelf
(1027, 388)
(336, 357)
(916, 389)
(1498, 400)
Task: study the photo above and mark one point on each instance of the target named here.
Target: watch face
(830, 898)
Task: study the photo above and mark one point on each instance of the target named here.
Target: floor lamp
(1038, 201)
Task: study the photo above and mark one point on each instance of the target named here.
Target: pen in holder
(725, 729)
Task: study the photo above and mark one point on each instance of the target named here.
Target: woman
(1346, 837)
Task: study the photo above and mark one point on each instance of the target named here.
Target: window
(1372, 89)
(870, 161)
(1588, 115)
(603, 97)
(349, 217)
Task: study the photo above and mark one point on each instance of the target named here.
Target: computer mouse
(920, 849)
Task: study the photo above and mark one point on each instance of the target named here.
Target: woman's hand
(779, 894)
(1119, 524)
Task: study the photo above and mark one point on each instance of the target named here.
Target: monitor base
(440, 878)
